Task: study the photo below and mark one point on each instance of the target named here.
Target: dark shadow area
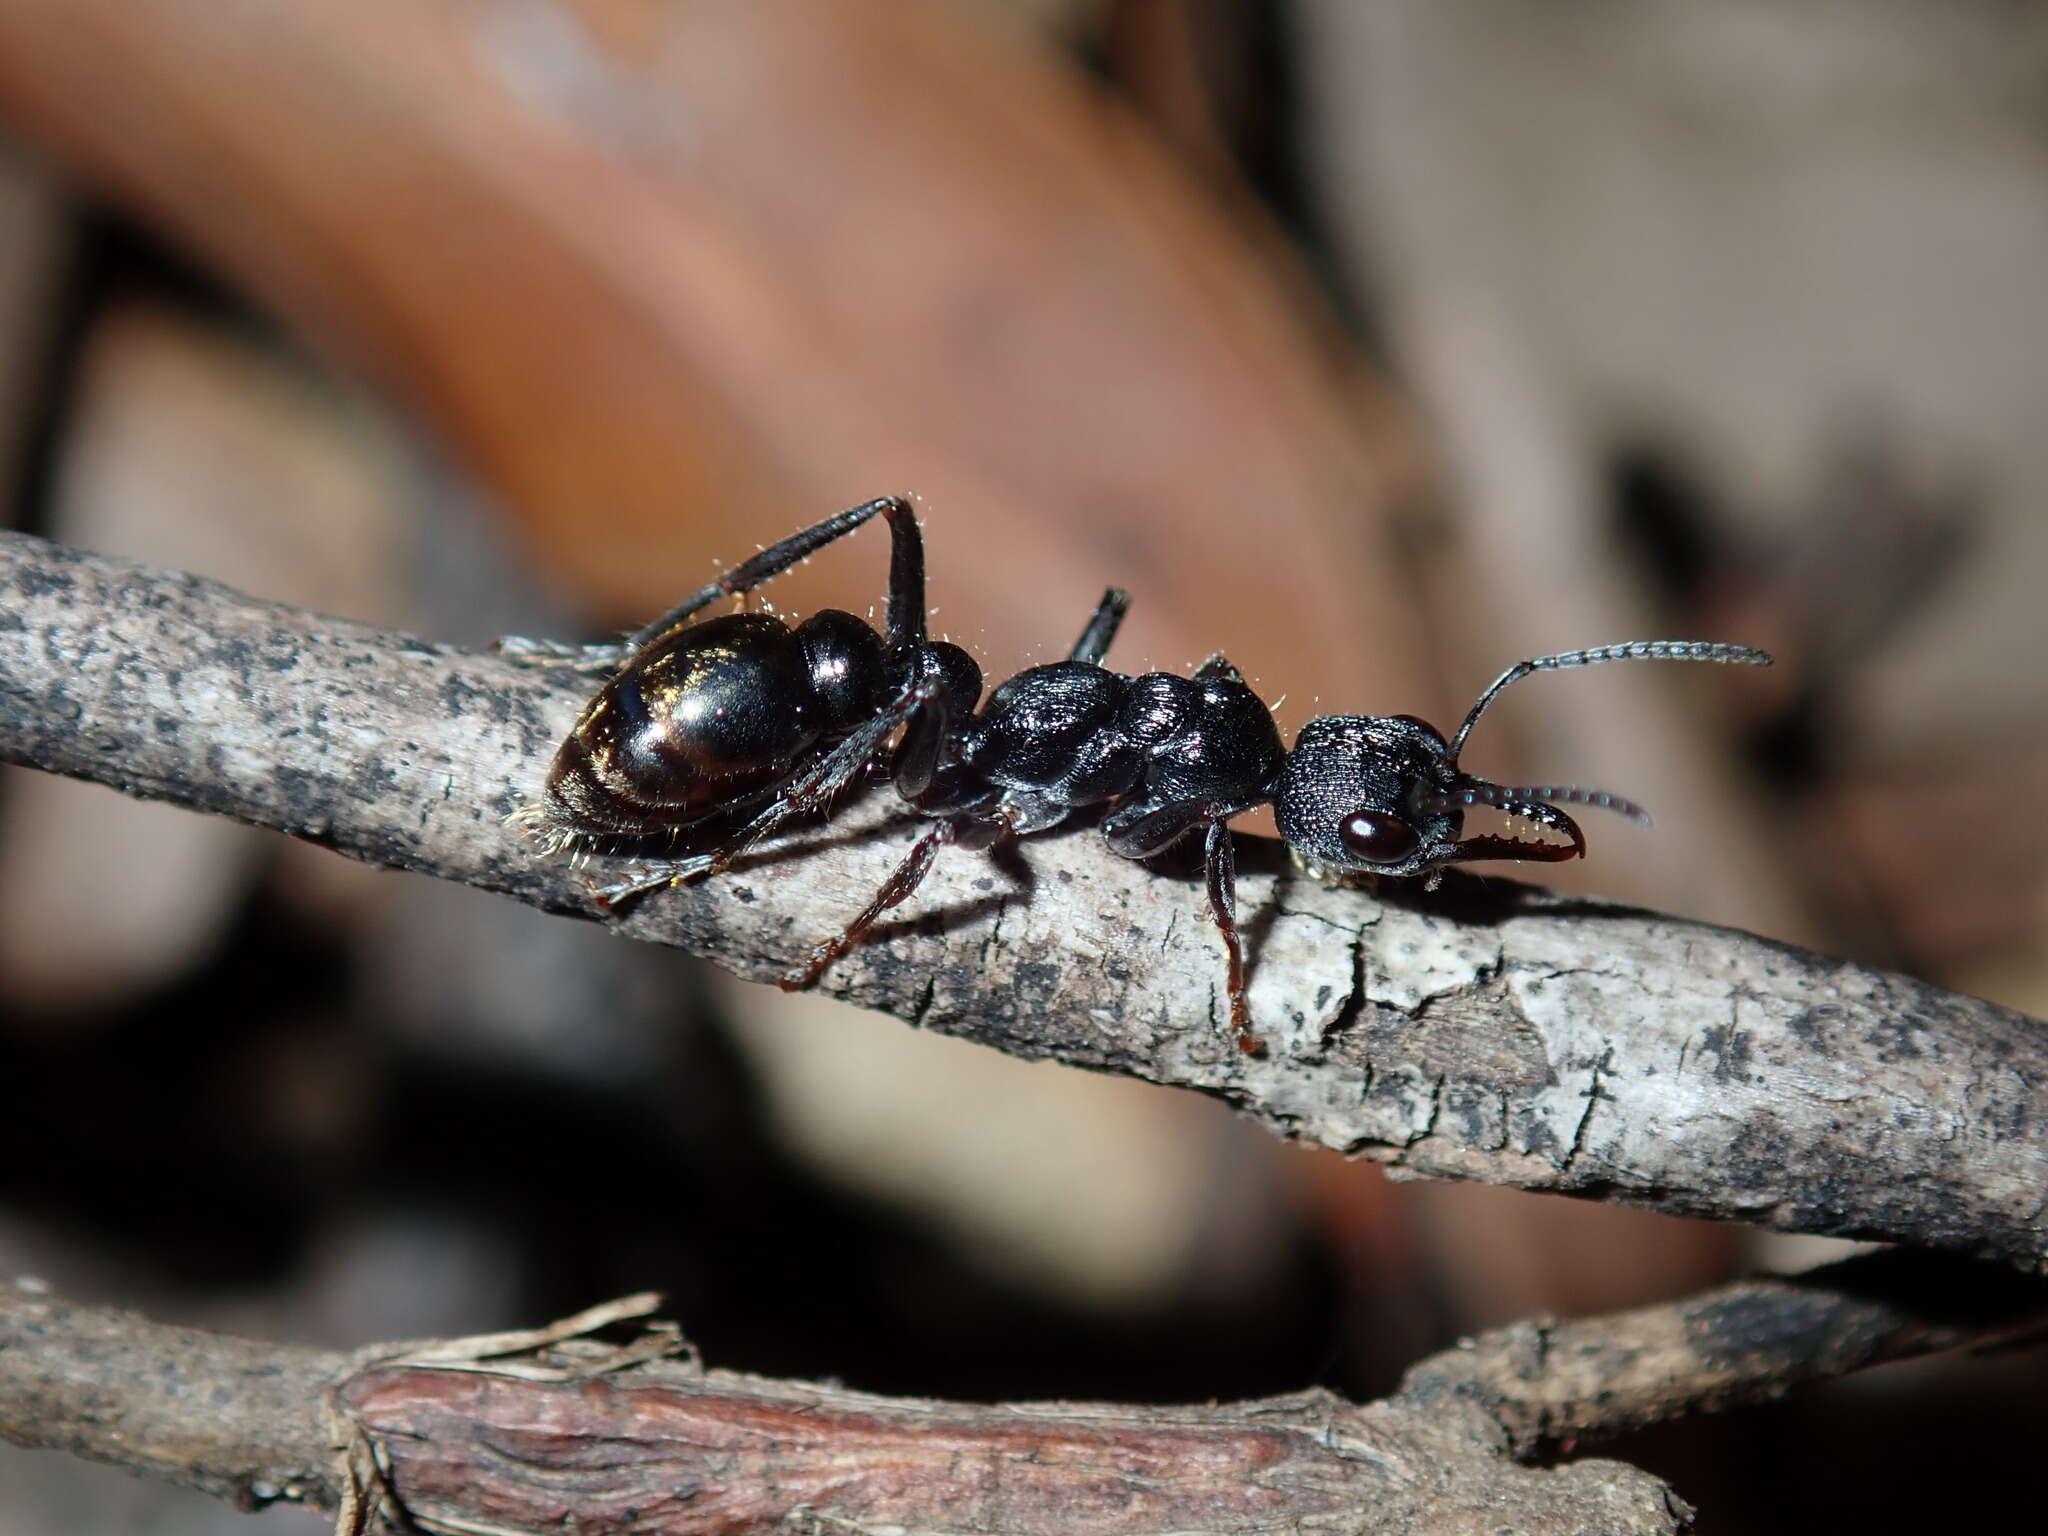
(1945, 1444)
(156, 1137)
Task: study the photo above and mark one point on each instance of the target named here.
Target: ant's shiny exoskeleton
(745, 712)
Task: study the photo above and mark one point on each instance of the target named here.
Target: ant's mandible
(745, 713)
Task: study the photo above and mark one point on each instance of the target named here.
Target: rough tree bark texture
(585, 1439)
(1490, 1032)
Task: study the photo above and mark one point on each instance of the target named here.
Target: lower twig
(460, 1437)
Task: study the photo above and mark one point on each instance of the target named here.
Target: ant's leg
(596, 660)
(1219, 666)
(812, 790)
(917, 754)
(1220, 865)
(906, 576)
(1101, 631)
(906, 589)
(906, 568)
(1140, 830)
(896, 890)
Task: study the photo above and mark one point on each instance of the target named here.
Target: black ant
(744, 712)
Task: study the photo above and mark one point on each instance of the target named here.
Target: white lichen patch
(1415, 958)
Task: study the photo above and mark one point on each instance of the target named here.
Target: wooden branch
(505, 1435)
(1551, 1385)
(227, 1416)
(1491, 1032)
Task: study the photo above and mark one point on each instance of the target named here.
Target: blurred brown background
(1376, 344)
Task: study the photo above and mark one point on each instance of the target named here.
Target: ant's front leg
(1138, 830)
(1219, 864)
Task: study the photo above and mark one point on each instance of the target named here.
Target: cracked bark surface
(508, 1435)
(1491, 1031)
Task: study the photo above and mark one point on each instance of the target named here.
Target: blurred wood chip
(676, 279)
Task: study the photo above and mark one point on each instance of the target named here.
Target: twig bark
(580, 1437)
(1552, 1385)
(227, 1416)
(1490, 1032)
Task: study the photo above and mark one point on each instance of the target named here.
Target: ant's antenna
(1635, 650)
(1504, 797)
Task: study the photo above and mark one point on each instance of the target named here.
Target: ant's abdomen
(710, 718)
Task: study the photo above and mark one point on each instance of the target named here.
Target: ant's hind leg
(641, 882)
(906, 570)
(906, 590)
(896, 890)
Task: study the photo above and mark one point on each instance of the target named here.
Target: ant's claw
(541, 655)
(622, 892)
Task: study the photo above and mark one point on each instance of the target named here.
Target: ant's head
(1385, 796)
(1369, 795)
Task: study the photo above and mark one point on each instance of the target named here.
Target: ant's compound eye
(1378, 838)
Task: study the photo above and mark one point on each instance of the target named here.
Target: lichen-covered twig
(462, 1437)
(1489, 1031)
